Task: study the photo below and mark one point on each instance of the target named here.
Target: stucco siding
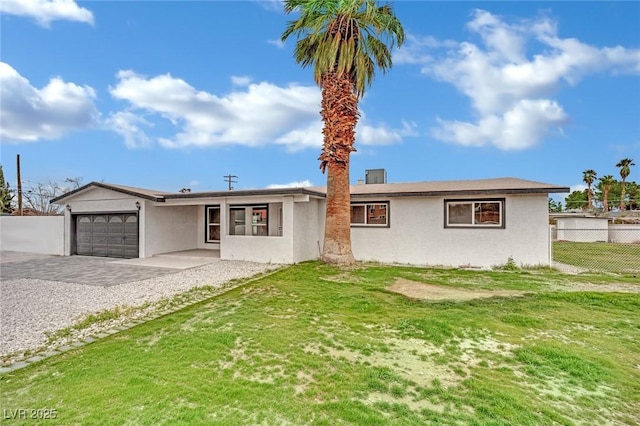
(307, 231)
(583, 229)
(417, 235)
(167, 229)
(33, 234)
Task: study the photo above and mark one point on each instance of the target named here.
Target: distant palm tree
(344, 41)
(606, 182)
(625, 170)
(589, 176)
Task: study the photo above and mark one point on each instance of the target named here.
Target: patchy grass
(314, 344)
(606, 257)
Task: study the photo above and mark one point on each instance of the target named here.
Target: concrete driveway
(97, 271)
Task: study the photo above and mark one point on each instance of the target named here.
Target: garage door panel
(84, 250)
(109, 235)
(114, 239)
(100, 239)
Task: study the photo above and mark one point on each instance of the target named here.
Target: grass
(606, 257)
(314, 344)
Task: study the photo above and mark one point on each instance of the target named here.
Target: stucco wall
(629, 233)
(168, 228)
(268, 249)
(417, 235)
(33, 234)
(308, 229)
(582, 229)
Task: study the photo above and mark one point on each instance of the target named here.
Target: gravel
(32, 309)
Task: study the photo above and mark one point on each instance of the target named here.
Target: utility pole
(19, 186)
(229, 179)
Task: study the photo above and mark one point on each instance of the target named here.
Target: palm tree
(606, 182)
(344, 41)
(588, 176)
(625, 170)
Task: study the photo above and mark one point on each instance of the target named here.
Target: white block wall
(33, 234)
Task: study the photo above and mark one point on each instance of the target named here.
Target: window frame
(271, 209)
(367, 210)
(473, 202)
(207, 224)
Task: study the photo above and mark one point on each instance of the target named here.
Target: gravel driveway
(32, 307)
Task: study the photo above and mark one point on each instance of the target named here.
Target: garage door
(109, 235)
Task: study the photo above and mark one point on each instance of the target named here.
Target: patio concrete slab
(171, 262)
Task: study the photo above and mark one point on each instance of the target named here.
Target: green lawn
(314, 344)
(606, 257)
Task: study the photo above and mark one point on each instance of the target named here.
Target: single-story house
(452, 223)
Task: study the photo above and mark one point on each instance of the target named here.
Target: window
(254, 220)
(237, 221)
(213, 224)
(370, 214)
(474, 213)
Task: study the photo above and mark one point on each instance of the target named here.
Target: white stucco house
(453, 223)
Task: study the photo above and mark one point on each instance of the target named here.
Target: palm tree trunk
(340, 116)
(623, 203)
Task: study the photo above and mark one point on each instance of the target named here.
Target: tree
(37, 196)
(625, 170)
(344, 41)
(554, 206)
(633, 189)
(6, 197)
(606, 182)
(576, 200)
(588, 177)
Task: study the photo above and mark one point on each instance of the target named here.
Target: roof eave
(245, 193)
(469, 192)
(156, 198)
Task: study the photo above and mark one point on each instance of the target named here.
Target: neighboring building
(455, 223)
(583, 229)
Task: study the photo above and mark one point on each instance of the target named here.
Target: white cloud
(520, 127)
(255, 114)
(510, 91)
(413, 51)
(277, 43)
(298, 184)
(240, 80)
(127, 124)
(31, 114)
(383, 135)
(579, 187)
(46, 11)
(274, 5)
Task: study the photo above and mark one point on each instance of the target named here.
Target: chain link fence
(612, 248)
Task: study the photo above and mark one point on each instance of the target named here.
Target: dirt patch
(604, 288)
(417, 290)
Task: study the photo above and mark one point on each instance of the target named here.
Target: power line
(229, 179)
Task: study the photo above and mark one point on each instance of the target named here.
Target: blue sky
(167, 95)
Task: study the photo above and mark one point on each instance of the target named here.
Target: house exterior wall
(167, 228)
(417, 235)
(33, 234)
(583, 229)
(265, 249)
(308, 229)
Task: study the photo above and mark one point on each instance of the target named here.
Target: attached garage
(107, 235)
